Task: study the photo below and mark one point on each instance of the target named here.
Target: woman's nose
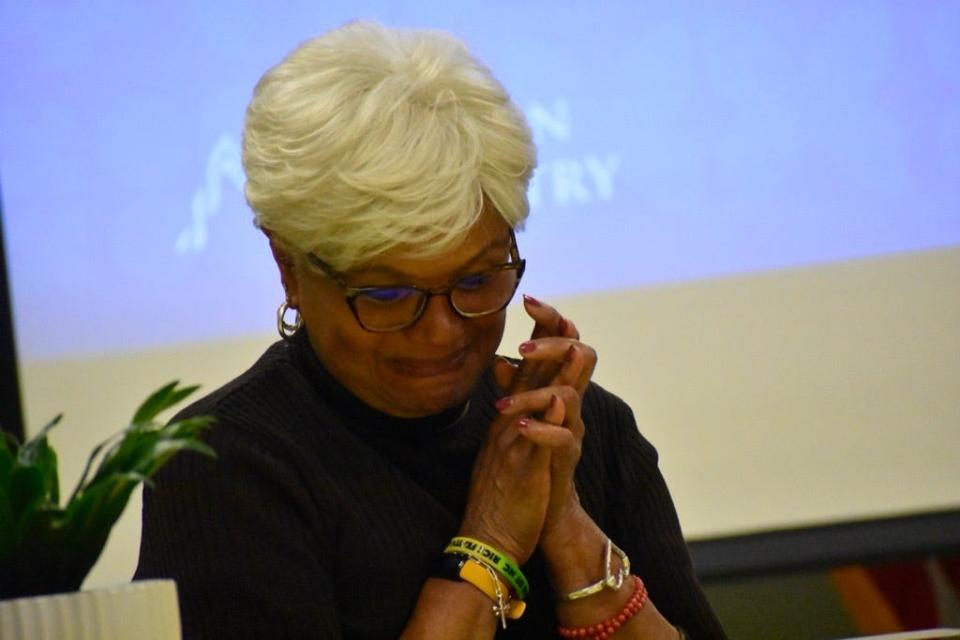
(439, 323)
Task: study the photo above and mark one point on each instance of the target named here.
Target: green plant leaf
(161, 399)
(188, 427)
(144, 448)
(126, 453)
(30, 448)
(94, 455)
(8, 441)
(36, 564)
(26, 492)
(162, 451)
(51, 549)
(46, 462)
(154, 403)
(87, 521)
(99, 505)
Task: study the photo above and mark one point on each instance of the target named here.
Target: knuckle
(568, 394)
(504, 439)
(586, 353)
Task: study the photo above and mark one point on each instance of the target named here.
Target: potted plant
(46, 548)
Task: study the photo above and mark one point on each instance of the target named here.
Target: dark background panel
(11, 418)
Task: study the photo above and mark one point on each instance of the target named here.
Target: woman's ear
(288, 274)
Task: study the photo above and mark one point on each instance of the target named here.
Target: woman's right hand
(509, 491)
(513, 483)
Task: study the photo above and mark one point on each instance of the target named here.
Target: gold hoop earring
(284, 328)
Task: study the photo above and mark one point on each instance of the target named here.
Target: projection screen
(751, 210)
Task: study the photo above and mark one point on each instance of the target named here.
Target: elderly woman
(381, 472)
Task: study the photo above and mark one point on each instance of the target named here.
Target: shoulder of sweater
(611, 418)
(261, 373)
(600, 398)
(273, 389)
(269, 423)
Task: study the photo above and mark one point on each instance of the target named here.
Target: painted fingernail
(527, 347)
(533, 302)
(523, 423)
(503, 403)
(562, 326)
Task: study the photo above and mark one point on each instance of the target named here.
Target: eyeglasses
(392, 308)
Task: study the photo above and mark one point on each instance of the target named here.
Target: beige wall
(782, 398)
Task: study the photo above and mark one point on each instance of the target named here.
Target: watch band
(460, 567)
(448, 566)
(490, 556)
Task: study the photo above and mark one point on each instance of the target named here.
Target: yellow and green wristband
(496, 559)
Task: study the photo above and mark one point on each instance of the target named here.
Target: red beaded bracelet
(605, 629)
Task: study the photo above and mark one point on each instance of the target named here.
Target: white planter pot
(145, 610)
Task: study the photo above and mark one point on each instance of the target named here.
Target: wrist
(575, 553)
(566, 527)
(504, 544)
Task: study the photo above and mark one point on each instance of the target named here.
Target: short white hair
(368, 139)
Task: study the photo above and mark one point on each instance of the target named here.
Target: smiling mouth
(431, 367)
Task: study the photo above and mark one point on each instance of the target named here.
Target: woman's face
(428, 367)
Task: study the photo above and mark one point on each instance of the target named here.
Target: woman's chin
(428, 396)
(414, 393)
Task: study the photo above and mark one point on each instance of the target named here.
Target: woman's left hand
(548, 387)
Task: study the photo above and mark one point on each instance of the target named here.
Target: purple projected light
(676, 142)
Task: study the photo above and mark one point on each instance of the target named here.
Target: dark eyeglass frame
(351, 293)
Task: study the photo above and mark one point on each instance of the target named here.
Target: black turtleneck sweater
(321, 517)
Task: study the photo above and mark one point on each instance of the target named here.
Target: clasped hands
(522, 490)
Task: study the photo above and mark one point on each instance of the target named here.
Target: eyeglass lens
(384, 309)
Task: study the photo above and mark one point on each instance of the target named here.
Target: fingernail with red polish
(533, 302)
(562, 326)
(527, 347)
(503, 403)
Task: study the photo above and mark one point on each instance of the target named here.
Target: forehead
(489, 238)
